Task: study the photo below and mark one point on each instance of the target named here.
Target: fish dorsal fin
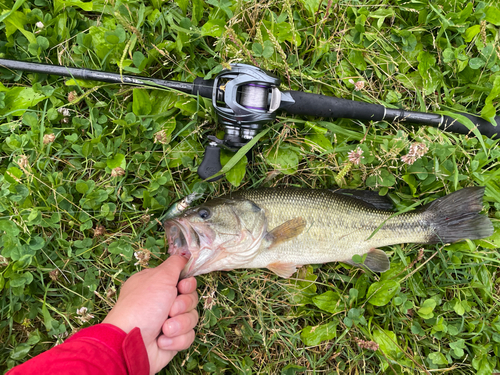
(283, 269)
(376, 260)
(373, 198)
(286, 231)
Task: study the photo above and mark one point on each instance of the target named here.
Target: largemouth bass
(282, 229)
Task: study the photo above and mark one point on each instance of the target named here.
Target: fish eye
(204, 213)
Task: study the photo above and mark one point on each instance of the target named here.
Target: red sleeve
(103, 349)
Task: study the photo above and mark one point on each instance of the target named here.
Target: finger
(177, 343)
(180, 324)
(183, 303)
(160, 360)
(186, 286)
(171, 268)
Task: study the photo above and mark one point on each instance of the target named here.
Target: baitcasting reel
(244, 98)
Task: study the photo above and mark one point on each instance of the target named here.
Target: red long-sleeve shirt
(103, 349)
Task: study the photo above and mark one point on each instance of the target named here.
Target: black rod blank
(95, 75)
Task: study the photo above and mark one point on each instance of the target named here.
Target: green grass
(71, 225)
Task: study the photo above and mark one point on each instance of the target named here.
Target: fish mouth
(186, 241)
(177, 241)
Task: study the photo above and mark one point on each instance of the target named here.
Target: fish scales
(281, 229)
(337, 226)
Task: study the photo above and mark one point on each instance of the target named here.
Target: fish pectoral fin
(283, 269)
(376, 260)
(286, 231)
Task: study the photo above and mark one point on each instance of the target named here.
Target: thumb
(171, 268)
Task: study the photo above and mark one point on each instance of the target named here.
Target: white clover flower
(355, 156)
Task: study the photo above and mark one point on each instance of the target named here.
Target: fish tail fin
(457, 216)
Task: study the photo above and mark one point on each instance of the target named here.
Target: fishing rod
(246, 97)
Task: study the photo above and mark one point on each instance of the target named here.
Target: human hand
(162, 307)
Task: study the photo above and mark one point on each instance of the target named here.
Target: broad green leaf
(47, 318)
(387, 342)
(59, 5)
(257, 49)
(237, 172)
(188, 106)
(188, 148)
(13, 175)
(197, 7)
(329, 301)
(493, 15)
(81, 186)
(319, 143)
(8, 227)
(15, 7)
(16, 21)
(426, 63)
(448, 55)
(312, 336)
(210, 367)
(316, 129)
(357, 59)
(311, 6)
(121, 247)
(71, 138)
(484, 364)
(214, 28)
(471, 32)
(20, 351)
(427, 308)
(384, 178)
(396, 271)
(380, 293)
(303, 289)
(138, 58)
(438, 358)
(477, 62)
(163, 101)
(141, 104)
(116, 161)
(36, 243)
(489, 111)
(283, 159)
(18, 99)
(183, 4)
(412, 183)
(18, 280)
(268, 49)
(458, 347)
(459, 308)
(382, 14)
(292, 369)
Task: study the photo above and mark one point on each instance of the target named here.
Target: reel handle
(211, 163)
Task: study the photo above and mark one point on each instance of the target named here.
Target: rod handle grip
(307, 104)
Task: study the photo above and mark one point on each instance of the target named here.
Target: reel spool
(245, 98)
(250, 99)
